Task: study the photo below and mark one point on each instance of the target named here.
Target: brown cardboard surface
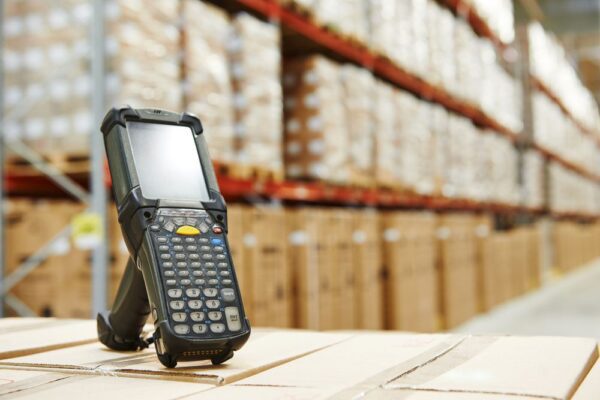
(426, 367)
(22, 336)
(27, 384)
(590, 387)
(265, 349)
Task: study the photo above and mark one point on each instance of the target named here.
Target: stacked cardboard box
(368, 269)
(571, 192)
(533, 179)
(310, 259)
(411, 297)
(264, 274)
(208, 91)
(575, 244)
(316, 132)
(549, 60)
(457, 268)
(48, 80)
(347, 17)
(386, 138)
(255, 70)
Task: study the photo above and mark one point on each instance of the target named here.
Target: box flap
(264, 350)
(21, 336)
(26, 384)
(590, 387)
(547, 367)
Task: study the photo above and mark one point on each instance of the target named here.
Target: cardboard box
(265, 349)
(23, 336)
(57, 385)
(368, 270)
(310, 259)
(265, 276)
(391, 366)
(411, 287)
(457, 268)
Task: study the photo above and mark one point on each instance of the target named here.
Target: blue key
(216, 242)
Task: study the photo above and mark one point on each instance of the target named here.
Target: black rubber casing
(140, 292)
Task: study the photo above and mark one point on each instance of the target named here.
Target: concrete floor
(568, 306)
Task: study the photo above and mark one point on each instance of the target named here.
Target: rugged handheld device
(174, 222)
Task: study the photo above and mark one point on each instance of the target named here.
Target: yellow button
(187, 230)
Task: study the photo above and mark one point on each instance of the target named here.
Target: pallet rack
(297, 24)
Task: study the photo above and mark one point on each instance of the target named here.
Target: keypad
(197, 274)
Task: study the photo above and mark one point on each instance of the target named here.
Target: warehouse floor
(569, 306)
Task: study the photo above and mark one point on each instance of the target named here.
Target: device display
(174, 223)
(167, 162)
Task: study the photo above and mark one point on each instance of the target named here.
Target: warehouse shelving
(313, 37)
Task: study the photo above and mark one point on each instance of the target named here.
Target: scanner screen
(167, 162)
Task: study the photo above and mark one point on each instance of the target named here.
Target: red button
(217, 229)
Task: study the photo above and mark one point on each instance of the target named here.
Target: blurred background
(413, 165)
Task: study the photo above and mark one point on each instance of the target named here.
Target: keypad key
(221, 257)
(195, 304)
(207, 256)
(232, 316)
(193, 292)
(190, 240)
(155, 227)
(195, 264)
(217, 328)
(178, 247)
(213, 282)
(177, 304)
(197, 316)
(169, 273)
(163, 248)
(192, 247)
(183, 273)
(224, 273)
(222, 265)
(213, 303)
(211, 273)
(226, 282)
(209, 264)
(185, 282)
(180, 256)
(194, 256)
(165, 256)
(176, 240)
(191, 221)
(216, 241)
(210, 292)
(181, 329)
(218, 249)
(199, 328)
(161, 239)
(167, 264)
(174, 293)
(181, 264)
(169, 226)
(179, 221)
(227, 294)
(179, 317)
(199, 282)
(171, 282)
(203, 240)
(197, 273)
(215, 315)
(203, 227)
(204, 248)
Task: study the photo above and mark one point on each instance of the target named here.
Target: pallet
(68, 163)
(248, 172)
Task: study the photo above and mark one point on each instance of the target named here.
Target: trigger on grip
(121, 328)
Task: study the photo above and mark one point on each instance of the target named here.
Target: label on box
(87, 230)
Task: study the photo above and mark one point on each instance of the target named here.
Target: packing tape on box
(37, 384)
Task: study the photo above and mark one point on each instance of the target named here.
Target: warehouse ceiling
(577, 24)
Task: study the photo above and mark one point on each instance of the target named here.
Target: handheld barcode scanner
(174, 222)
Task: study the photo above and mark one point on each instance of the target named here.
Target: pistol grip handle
(121, 327)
